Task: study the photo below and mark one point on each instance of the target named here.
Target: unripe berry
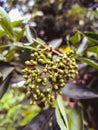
(28, 63)
(32, 86)
(38, 80)
(35, 96)
(35, 54)
(55, 87)
(28, 94)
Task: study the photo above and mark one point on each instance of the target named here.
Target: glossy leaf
(6, 77)
(92, 37)
(55, 43)
(82, 46)
(93, 49)
(75, 121)
(16, 23)
(60, 112)
(28, 34)
(59, 119)
(76, 91)
(2, 32)
(75, 38)
(88, 61)
(5, 70)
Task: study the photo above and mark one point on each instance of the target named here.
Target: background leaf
(6, 74)
(75, 38)
(60, 110)
(76, 91)
(55, 43)
(92, 37)
(6, 23)
(93, 49)
(88, 61)
(39, 122)
(75, 120)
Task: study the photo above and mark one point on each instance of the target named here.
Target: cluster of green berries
(46, 73)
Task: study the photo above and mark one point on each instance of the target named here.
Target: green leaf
(59, 119)
(15, 17)
(88, 61)
(2, 32)
(93, 49)
(75, 38)
(24, 46)
(30, 113)
(17, 22)
(28, 34)
(11, 54)
(92, 37)
(60, 112)
(6, 23)
(20, 34)
(82, 47)
(55, 43)
(75, 118)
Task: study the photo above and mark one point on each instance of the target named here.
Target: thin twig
(56, 52)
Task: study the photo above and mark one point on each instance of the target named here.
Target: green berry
(28, 81)
(54, 79)
(33, 74)
(31, 102)
(61, 81)
(32, 86)
(60, 92)
(45, 70)
(61, 64)
(60, 71)
(62, 84)
(42, 95)
(35, 54)
(48, 89)
(76, 73)
(42, 56)
(38, 80)
(25, 70)
(35, 96)
(45, 80)
(33, 62)
(37, 91)
(49, 55)
(28, 63)
(41, 61)
(56, 74)
(25, 76)
(54, 66)
(55, 87)
(28, 94)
